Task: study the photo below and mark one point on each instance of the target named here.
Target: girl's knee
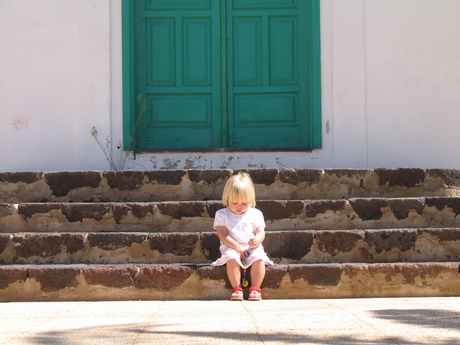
(232, 263)
(259, 262)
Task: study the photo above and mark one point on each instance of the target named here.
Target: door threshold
(225, 149)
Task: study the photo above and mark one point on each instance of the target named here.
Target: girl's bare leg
(234, 273)
(257, 273)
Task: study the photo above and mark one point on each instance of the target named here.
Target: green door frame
(314, 72)
(133, 103)
(129, 97)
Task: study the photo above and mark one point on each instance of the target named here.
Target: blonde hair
(239, 187)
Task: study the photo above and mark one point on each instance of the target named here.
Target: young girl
(241, 230)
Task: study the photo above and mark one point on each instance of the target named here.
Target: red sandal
(255, 294)
(237, 294)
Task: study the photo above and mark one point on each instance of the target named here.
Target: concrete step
(283, 247)
(191, 216)
(191, 281)
(170, 185)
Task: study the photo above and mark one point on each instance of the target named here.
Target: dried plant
(118, 163)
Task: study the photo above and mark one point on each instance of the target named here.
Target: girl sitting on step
(241, 230)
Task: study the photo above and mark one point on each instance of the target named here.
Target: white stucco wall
(55, 83)
(390, 95)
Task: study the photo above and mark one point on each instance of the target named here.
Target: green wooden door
(268, 95)
(222, 73)
(177, 68)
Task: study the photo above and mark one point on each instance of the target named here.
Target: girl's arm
(258, 238)
(222, 233)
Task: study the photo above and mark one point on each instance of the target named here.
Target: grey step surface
(170, 185)
(283, 247)
(191, 282)
(183, 216)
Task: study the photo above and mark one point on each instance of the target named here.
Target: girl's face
(238, 207)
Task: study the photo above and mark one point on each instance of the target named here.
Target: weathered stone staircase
(125, 235)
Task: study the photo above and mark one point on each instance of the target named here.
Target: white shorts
(256, 253)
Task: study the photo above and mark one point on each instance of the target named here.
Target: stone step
(191, 281)
(191, 216)
(171, 185)
(121, 235)
(283, 247)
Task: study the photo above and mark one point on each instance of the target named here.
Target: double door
(223, 73)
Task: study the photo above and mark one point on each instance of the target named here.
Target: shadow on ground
(159, 334)
(432, 318)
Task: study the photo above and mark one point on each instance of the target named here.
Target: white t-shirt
(241, 227)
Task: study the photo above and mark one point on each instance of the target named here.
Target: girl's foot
(237, 294)
(255, 294)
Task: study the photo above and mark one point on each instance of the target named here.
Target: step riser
(190, 216)
(371, 246)
(286, 184)
(145, 282)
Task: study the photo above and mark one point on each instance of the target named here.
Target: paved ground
(339, 321)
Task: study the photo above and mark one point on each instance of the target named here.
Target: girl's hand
(222, 233)
(254, 242)
(258, 238)
(242, 252)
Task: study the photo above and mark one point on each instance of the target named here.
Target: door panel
(279, 110)
(181, 47)
(161, 52)
(266, 100)
(283, 50)
(197, 52)
(265, 3)
(247, 51)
